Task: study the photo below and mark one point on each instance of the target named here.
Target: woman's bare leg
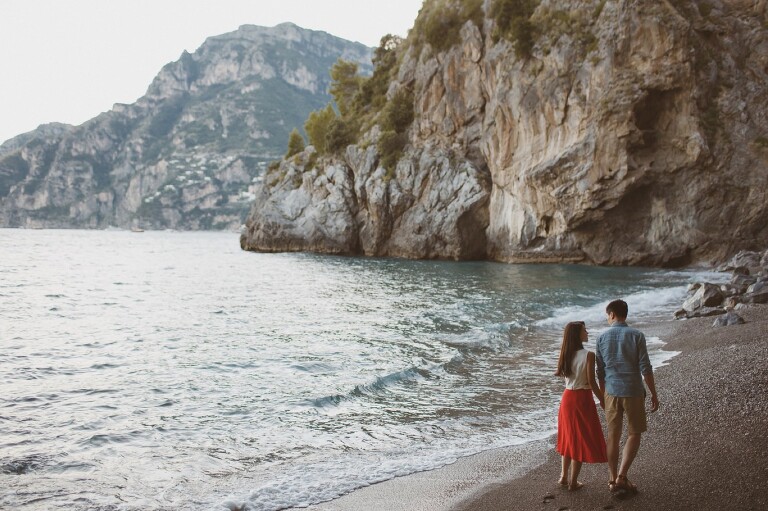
(564, 470)
(573, 483)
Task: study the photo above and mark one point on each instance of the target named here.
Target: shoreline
(703, 448)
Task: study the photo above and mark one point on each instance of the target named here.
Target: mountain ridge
(187, 153)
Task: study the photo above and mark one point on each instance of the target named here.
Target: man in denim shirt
(622, 365)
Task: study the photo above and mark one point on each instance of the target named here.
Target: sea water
(166, 370)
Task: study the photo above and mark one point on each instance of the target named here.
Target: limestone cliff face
(635, 133)
(187, 154)
(431, 208)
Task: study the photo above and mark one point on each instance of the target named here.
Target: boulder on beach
(731, 290)
(742, 282)
(702, 312)
(728, 319)
(758, 287)
(705, 312)
(748, 285)
(756, 297)
(746, 262)
(707, 295)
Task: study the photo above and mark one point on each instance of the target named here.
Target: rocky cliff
(602, 131)
(187, 154)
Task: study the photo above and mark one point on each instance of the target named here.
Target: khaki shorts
(633, 407)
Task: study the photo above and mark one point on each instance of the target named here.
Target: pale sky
(69, 60)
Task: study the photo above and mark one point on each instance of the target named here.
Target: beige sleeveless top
(578, 379)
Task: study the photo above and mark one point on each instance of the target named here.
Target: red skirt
(579, 433)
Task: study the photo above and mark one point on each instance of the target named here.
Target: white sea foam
(308, 484)
(655, 302)
(491, 338)
(660, 358)
(641, 304)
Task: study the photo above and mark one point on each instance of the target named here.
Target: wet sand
(705, 448)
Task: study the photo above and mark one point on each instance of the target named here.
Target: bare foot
(563, 481)
(575, 486)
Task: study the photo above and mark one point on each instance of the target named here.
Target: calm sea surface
(164, 370)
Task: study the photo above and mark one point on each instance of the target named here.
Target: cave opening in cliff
(648, 111)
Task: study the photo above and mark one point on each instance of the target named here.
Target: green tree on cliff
(396, 117)
(317, 127)
(361, 101)
(295, 143)
(345, 85)
(513, 22)
(373, 93)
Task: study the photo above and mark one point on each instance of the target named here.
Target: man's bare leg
(612, 448)
(628, 456)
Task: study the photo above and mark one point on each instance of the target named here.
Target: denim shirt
(622, 359)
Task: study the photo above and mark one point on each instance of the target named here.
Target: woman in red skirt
(579, 434)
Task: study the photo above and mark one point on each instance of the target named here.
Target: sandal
(612, 486)
(625, 484)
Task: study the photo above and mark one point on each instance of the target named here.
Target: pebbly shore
(706, 446)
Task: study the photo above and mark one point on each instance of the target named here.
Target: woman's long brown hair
(571, 344)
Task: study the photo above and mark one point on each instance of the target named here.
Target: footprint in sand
(548, 498)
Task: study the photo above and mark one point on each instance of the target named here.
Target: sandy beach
(704, 450)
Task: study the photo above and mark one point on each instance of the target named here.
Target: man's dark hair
(619, 308)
